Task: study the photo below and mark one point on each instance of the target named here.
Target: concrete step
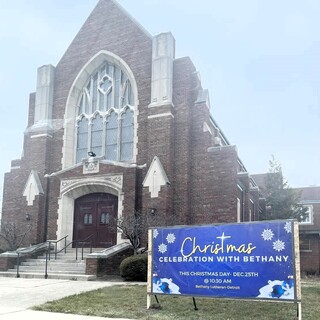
(57, 264)
(61, 276)
(41, 262)
(70, 253)
(66, 256)
(66, 268)
(41, 270)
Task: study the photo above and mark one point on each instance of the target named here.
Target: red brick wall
(310, 260)
(7, 263)
(15, 208)
(214, 195)
(106, 266)
(254, 196)
(245, 184)
(184, 95)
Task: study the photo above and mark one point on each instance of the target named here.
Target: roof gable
(106, 27)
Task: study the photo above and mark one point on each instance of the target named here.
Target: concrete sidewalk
(17, 295)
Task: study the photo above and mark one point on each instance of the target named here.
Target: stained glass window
(126, 146)
(105, 115)
(112, 136)
(82, 141)
(96, 135)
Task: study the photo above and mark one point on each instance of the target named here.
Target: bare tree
(134, 227)
(13, 235)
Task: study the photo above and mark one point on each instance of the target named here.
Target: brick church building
(121, 125)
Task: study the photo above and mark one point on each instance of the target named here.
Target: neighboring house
(120, 125)
(310, 230)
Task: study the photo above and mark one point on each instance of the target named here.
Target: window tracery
(105, 119)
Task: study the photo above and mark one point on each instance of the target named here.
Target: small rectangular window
(87, 218)
(104, 218)
(308, 219)
(238, 210)
(305, 244)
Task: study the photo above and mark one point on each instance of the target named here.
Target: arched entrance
(95, 214)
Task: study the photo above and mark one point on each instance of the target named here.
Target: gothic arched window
(105, 119)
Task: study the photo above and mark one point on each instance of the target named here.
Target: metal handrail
(83, 242)
(18, 264)
(56, 246)
(36, 248)
(25, 251)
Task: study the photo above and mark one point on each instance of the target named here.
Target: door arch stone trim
(72, 189)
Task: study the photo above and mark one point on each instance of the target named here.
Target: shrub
(135, 268)
(310, 272)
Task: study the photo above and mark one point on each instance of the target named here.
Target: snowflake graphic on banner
(267, 234)
(162, 248)
(278, 245)
(155, 233)
(287, 227)
(171, 238)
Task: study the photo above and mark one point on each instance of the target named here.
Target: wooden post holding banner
(297, 268)
(149, 277)
(299, 315)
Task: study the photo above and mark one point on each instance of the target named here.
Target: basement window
(305, 244)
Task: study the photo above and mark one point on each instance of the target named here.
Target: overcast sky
(260, 61)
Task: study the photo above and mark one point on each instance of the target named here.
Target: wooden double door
(94, 216)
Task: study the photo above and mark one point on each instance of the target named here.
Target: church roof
(106, 27)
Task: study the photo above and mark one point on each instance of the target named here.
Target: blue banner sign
(245, 260)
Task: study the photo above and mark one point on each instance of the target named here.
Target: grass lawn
(130, 302)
